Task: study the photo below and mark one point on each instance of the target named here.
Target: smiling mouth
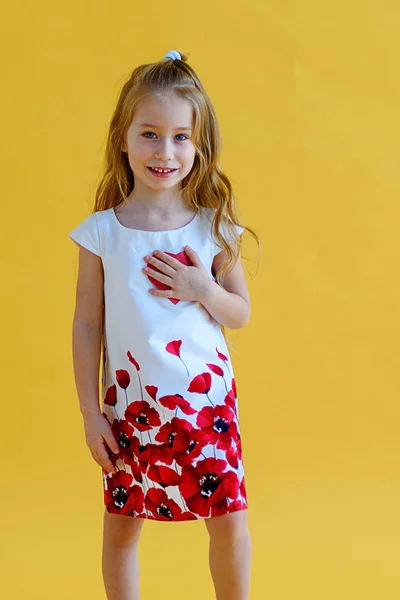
(162, 173)
(160, 170)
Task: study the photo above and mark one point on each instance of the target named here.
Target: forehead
(164, 110)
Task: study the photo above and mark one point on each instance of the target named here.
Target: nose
(164, 149)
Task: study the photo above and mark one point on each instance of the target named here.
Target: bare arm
(228, 305)
(87, 331)
(86, 344)
(86, 349)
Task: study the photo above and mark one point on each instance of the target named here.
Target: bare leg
(230, 555)
(120, 562)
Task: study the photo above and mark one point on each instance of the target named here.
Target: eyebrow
(155, 126)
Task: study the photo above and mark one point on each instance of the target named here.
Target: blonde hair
(206, 186)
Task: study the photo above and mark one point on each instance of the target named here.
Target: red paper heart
(184, 259)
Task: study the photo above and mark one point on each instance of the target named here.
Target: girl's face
(160, 135)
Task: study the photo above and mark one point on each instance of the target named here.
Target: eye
(152, 133)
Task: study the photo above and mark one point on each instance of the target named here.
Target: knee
(230, 528)
(122, 530)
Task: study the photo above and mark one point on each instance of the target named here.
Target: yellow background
(307, 95)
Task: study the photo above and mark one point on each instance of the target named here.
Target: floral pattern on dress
(170, 468)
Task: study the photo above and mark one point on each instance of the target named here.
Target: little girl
(159, 279)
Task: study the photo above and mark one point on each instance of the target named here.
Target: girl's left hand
(190, 283)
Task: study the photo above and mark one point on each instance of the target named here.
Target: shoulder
(210, 214)
(224, 229)
(92, 231)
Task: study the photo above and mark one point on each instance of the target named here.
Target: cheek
(139, 154)
(189, 154)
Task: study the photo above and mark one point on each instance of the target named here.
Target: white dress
(168, 387)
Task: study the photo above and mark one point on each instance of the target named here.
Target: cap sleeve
(239, 229)
(86, 234)
(227, 234)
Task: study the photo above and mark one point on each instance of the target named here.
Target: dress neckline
(150, 230)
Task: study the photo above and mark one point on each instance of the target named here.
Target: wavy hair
(206, 186)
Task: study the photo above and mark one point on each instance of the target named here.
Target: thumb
(193, 256)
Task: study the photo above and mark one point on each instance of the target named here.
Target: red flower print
(230, 400)
(136, 471)
(123, 378)
(176, 400)
(206, 484)
(120, 496)
(218, 371)
(146, 454)
(137, 367)
(234, 453)
(165, 476)
(239, 447)
(133, 361)
(234, 387)
(123, 432)
(224, 507)
(200, 384)
(220, 355)
(236, 505)
(111, 396)
(152, 391)
(164, 508)
(181, 441)
(232, 457)
(215, 369)
(218, 425)
(175, 349)
(142, 415)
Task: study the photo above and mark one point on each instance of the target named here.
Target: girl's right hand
(100, 440)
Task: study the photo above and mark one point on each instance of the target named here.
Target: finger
(103, 459)
(104, 454)
(159, 276)
(162, 266)
(165, 293)
(112, 444)
(97, 459)
(166, 258)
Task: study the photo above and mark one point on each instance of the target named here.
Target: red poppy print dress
(168, 387)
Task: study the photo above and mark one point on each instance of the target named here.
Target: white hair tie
(174, 54)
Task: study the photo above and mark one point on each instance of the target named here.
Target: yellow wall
(307, 95)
